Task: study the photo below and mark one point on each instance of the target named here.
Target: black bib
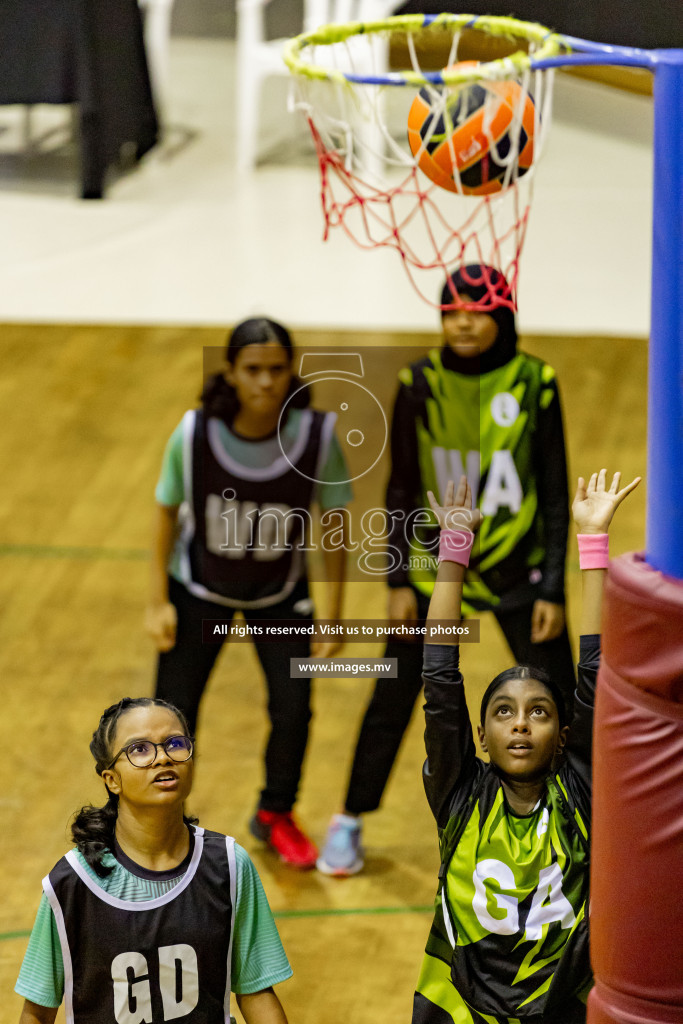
(249, 526)
(165, 959)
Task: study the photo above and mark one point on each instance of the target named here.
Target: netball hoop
(382, 184)
(371, 185)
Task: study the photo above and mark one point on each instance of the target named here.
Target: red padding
(637, 859)
(643, 627)
(609, 1007)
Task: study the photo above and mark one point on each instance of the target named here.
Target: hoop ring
(550, 44)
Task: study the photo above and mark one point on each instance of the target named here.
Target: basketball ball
(473, 130)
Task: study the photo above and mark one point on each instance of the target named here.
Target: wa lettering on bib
(483, 427)
(503, 487)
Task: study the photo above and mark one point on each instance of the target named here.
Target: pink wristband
(455, 546)
(593, 550)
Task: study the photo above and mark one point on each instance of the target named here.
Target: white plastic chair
(157, 15)
(259, 58)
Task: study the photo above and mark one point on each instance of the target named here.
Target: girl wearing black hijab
(481, 407)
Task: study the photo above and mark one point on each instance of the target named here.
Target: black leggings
(391, 706)
(183, 672)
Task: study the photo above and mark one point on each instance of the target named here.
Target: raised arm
(451, 757)
(593, 508)
(457, 517)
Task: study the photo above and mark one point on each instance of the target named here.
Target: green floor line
(6, 936)
(72, 551)
(346, 911)
(289, 914)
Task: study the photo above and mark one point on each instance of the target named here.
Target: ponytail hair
(219, 399)
(93, 828)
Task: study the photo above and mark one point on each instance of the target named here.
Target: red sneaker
(283, 835)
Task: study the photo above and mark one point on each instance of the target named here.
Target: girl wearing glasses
(150, 917)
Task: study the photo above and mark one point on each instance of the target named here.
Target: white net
(441, 173)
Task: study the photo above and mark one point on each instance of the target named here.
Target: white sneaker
(342, 854)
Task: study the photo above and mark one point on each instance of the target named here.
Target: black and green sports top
(509, 940)
(503, 428)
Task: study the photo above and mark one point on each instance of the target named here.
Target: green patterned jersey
(509, 940)
(485, 426)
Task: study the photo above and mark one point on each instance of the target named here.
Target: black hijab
(479, 282)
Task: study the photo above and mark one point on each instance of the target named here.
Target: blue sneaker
(342, 854)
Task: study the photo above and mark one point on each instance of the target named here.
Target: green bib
(511, 910)
(483, 426)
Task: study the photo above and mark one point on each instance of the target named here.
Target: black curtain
(88, 52)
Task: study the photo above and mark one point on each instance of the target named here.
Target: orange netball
(473, 135)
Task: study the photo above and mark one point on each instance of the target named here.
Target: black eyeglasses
(142, 753)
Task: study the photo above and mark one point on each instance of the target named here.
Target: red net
(409, 217)
(440, 171)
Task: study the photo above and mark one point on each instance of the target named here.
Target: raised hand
(594, 504)
(456, 513)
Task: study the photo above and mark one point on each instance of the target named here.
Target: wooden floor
(86, 412)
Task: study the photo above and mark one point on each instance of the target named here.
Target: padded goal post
(637, 837)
